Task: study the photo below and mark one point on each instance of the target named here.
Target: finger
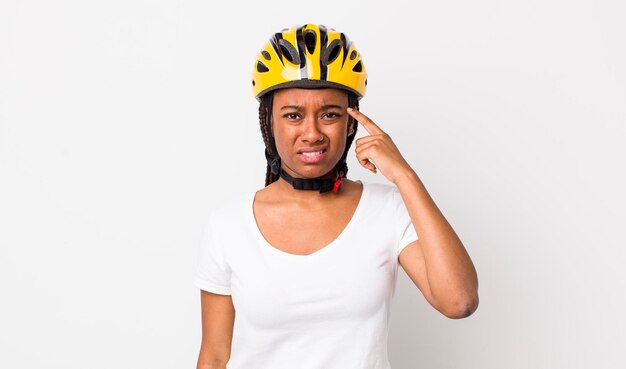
(367, 123)
(367, 164)
(366, 139)
(365, 160)
(366, 146)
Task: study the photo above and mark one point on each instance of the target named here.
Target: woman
(301, 273)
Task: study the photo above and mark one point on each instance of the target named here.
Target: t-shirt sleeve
(212, 273)
(405, 228)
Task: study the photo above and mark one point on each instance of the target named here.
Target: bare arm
(218, 318)
(437, 262)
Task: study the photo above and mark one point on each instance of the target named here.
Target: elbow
(211, 364)
(462, 308)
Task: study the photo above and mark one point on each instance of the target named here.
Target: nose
(311, 131)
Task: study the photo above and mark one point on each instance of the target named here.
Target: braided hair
(265, 107)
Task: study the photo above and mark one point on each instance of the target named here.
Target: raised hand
(378, 152)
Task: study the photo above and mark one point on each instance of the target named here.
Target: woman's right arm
(218, 318)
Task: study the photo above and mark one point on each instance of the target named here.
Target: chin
(312, 170)
(307, 171)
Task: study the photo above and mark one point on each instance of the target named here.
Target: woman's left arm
(437, 262)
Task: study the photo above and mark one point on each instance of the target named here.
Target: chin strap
(321, 184)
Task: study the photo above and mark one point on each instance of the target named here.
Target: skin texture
(437, 262)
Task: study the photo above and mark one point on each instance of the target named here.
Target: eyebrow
(325, 107)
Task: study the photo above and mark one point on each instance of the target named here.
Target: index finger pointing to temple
(366, 122)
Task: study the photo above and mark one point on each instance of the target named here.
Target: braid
(264, 121)
(353, 102)
(265, 124)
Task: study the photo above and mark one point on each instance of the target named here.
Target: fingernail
(373, 171)
(350, 109)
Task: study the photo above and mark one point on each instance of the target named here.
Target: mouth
(312, 156)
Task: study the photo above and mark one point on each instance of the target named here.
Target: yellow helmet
(309, 56)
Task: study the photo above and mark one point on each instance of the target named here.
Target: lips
(312, 155)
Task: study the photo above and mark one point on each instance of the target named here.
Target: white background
(122, 123)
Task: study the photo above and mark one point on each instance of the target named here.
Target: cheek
(284, 133)
(340, 132)
(283, 138)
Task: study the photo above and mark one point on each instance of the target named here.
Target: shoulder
(380, 191)
(385, 197)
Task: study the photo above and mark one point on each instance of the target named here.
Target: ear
(350, 125)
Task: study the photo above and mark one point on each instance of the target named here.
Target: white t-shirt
(326, 310)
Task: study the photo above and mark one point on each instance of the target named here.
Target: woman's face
(307, 121)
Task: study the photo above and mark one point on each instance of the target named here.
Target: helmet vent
(289, 51)
(353, 55)
(309, 40)
(358, 67)
(261, 68)
(266, 55)
(331, 52)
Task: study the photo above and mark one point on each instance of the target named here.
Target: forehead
(306, 96)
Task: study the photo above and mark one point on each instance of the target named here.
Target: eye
(331, 115)
(291, 116)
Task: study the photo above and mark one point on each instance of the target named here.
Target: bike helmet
(308, 56)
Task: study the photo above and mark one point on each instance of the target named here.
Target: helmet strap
(321, 184)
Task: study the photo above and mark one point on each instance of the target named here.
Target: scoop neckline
(324, 250)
